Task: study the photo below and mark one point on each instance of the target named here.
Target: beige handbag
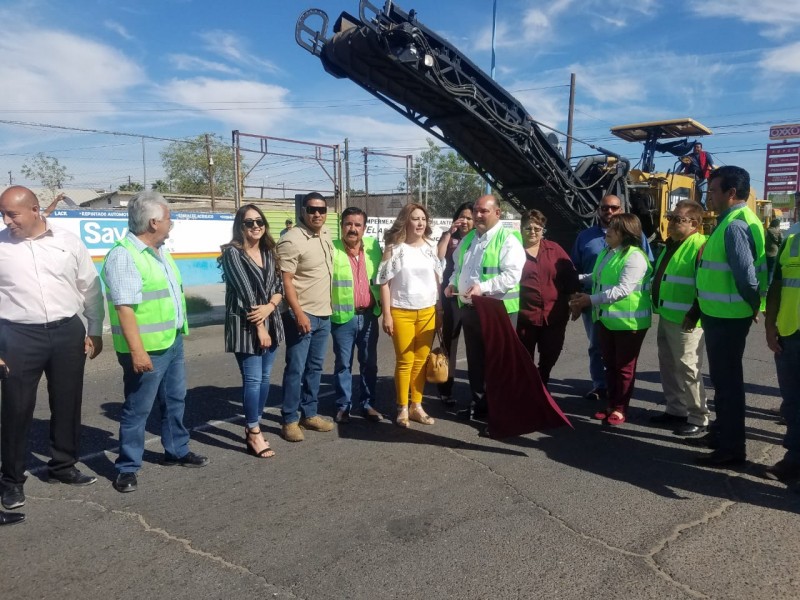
(437, 369)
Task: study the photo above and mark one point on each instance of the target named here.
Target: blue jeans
(359, 332)
(597, 369)
(167, 382)
(255, 370)
(725, 343)
(305, 355)
(788, 367)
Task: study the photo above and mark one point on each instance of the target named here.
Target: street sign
(783, 164)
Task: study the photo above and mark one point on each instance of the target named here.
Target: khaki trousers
(680, 359)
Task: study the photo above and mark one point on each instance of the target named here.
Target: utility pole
(366, 175)
(419, 183)
(571, 113)
(144, 165)
(10, 179)
(210, 173)
(347, 166)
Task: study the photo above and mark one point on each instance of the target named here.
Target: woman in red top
(548, 280)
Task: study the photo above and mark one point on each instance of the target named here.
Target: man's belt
(48, 325)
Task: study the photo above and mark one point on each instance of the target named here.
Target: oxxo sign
(784, 132)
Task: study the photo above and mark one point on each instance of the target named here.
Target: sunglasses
(677, 219)
(310, 210)
(251, 223)
(532, 229)
(609, 208)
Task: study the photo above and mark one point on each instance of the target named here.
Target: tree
(186, 166)
(131, 186)
(452, 181)
(161, 186)
(47, 171)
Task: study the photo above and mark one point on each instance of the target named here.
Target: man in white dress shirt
(488, 262)
(46, 279)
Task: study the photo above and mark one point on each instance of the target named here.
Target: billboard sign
(783, 167)
(784, 132)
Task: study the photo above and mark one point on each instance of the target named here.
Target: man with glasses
(147, 310)
(588, 246)
(306, 259)
(680, 341)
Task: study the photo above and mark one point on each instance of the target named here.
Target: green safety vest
(632, 313)
(342, 296)
(155, 314)
(716, 288)
(490, 264)
(677, 290)
(790, 287)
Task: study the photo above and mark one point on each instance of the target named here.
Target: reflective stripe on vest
(490, 264)
(716, 287)
(343, 294)
(155, 314)
(677, 290)
(632, 313)
(789, 260)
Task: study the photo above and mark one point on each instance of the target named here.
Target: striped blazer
(248, 285)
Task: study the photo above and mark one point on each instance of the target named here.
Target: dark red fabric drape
(518, 401)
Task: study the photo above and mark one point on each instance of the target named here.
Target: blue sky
(178, 68)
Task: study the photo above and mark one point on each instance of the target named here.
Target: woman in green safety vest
(253, 326)
(620, 302)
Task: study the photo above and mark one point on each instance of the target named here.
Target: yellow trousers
(412, 339)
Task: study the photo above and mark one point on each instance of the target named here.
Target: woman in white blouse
(620, 301)
(409, 275)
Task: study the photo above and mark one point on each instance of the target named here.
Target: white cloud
(783, 60)
(118, 29)
(779, 17)
(61, 78)
(246, 105)
(231, 47)
(186, 62)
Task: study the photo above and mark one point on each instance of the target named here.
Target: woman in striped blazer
(253, 326)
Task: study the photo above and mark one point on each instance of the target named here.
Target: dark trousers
(725, 342)
(451, 330)
(473, 340)
(549, 338)
(29, 351)
(620, 350)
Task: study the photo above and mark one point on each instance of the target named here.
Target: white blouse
(413, 275)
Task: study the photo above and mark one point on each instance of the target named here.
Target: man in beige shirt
(306, 259)
(46, 279)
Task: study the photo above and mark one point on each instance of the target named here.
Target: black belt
(48, 325)
(362, 311)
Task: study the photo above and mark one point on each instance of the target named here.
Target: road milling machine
(396, 58)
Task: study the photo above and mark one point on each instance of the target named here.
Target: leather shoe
(666, 419)
(720, 459)
(190, 459)
(13, 496)
(342, 417)
(689, 430)
(783, 471)
(372, 415)
(125, 482)
(11, 518)
(71, 476)
(596, 394)
(709, 440)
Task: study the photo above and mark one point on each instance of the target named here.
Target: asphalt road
(371, 511)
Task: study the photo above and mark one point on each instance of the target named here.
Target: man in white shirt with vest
(147, 310)
(46, 279)
(680, 345)
(488, 262)
(356, 308)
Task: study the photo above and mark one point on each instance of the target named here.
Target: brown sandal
(251, 437)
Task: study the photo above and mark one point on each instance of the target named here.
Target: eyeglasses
(310, 210)
(251, 223)
(532, 229)
(610, 207)
(677, 219)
